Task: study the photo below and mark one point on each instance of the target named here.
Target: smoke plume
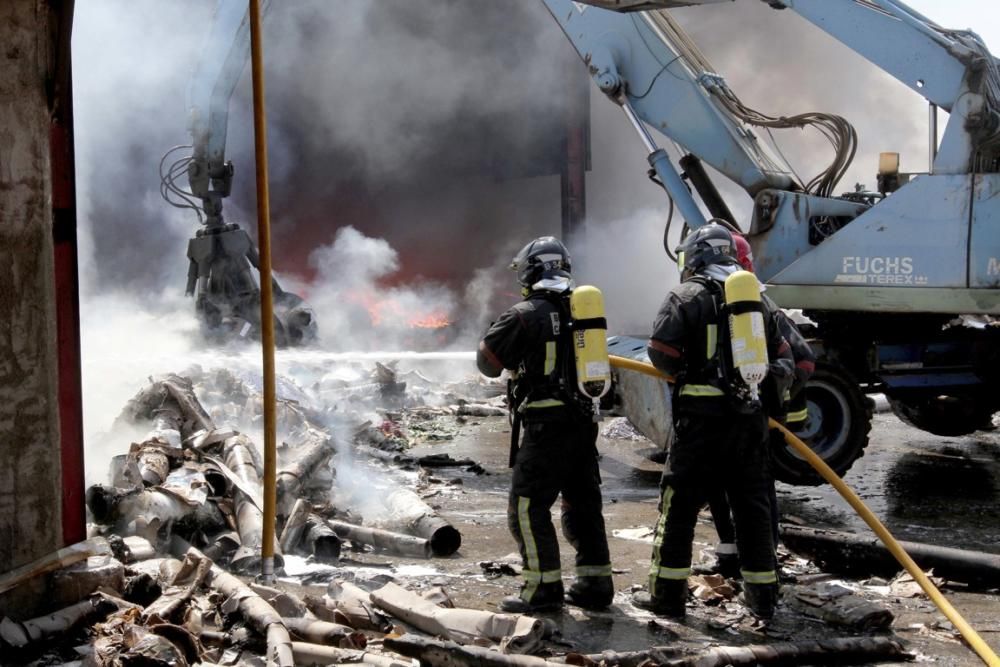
(414, 148)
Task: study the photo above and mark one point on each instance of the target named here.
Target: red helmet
(744, 254)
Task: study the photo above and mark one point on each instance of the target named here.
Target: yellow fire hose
(973, 639)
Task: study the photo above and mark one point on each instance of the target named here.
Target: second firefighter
(558, 453)
(720, 425)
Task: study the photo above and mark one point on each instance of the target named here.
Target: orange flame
(436, 320)
(387, 310)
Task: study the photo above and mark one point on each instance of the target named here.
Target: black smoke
(435, 125)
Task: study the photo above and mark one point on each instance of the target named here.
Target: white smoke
(356, 312)
(131, 67)
(124, 341)
(387, 123)
(782, 65)
(631, 297)
(778, 63)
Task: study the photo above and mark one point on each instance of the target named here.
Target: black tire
(945, 415)
(840, 419)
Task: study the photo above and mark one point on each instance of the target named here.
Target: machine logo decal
(879, 271)
(993, 268)
(580, 7)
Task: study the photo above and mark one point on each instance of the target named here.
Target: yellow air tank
(746, 329)
(590, 344)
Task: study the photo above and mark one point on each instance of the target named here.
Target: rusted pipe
(317, 450)
(397, 543)
(322, 540)
(409, 512)
(250, 521)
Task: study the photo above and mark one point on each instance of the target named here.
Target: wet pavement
(936, 490)
(923, 487)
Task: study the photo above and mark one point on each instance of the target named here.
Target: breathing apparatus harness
(579, 379)
(737, 368)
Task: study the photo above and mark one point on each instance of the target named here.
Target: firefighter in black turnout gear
(793, 413)
(558, 452)
(721, 430)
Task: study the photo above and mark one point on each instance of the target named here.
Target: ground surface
(936, 490)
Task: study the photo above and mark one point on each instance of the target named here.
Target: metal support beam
(67, 282)
(573, 175)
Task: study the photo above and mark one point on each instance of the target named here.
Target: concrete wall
(30, 475)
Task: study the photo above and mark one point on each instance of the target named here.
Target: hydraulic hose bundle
(838, 131)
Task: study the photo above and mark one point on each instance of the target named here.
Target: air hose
(971, 637)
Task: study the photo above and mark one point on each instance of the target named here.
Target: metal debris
(193, 479)
(838, 605)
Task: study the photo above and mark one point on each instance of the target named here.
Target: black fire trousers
(722, 516)
(712, 454)
(557, 457)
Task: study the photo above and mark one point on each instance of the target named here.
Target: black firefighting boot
(761, 599)
(669, 599)
(591, 592)
(547, 597)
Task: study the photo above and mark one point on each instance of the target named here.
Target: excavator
(900, 285)
(223, 259)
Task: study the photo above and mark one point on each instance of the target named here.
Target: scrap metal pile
(166, 577)
(189, 610)
(189, 479)
(181, 513)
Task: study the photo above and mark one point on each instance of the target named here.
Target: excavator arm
(639, 61)
(647, 61)
(223, 259)
(951, 69)
(904, 283)
(223, 60)
(815, 248)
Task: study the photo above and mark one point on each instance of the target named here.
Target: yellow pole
(975, 642)
(266, 293)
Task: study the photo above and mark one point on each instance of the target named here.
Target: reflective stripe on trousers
(547, 577)
(532, 572)
(797, 416)
(544, 403)
(667, 573)
(593, 570)
(765, 577)
(656, 571)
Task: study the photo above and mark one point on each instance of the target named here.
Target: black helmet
(545, 257)
(709, 244)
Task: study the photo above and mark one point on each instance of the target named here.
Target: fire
(388, 310)
(436, 320)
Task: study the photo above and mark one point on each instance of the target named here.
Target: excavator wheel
(946, 415)
(840, 419)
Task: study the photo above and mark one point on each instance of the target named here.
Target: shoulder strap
(715, 289)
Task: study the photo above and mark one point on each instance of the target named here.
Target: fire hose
(971, 637)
